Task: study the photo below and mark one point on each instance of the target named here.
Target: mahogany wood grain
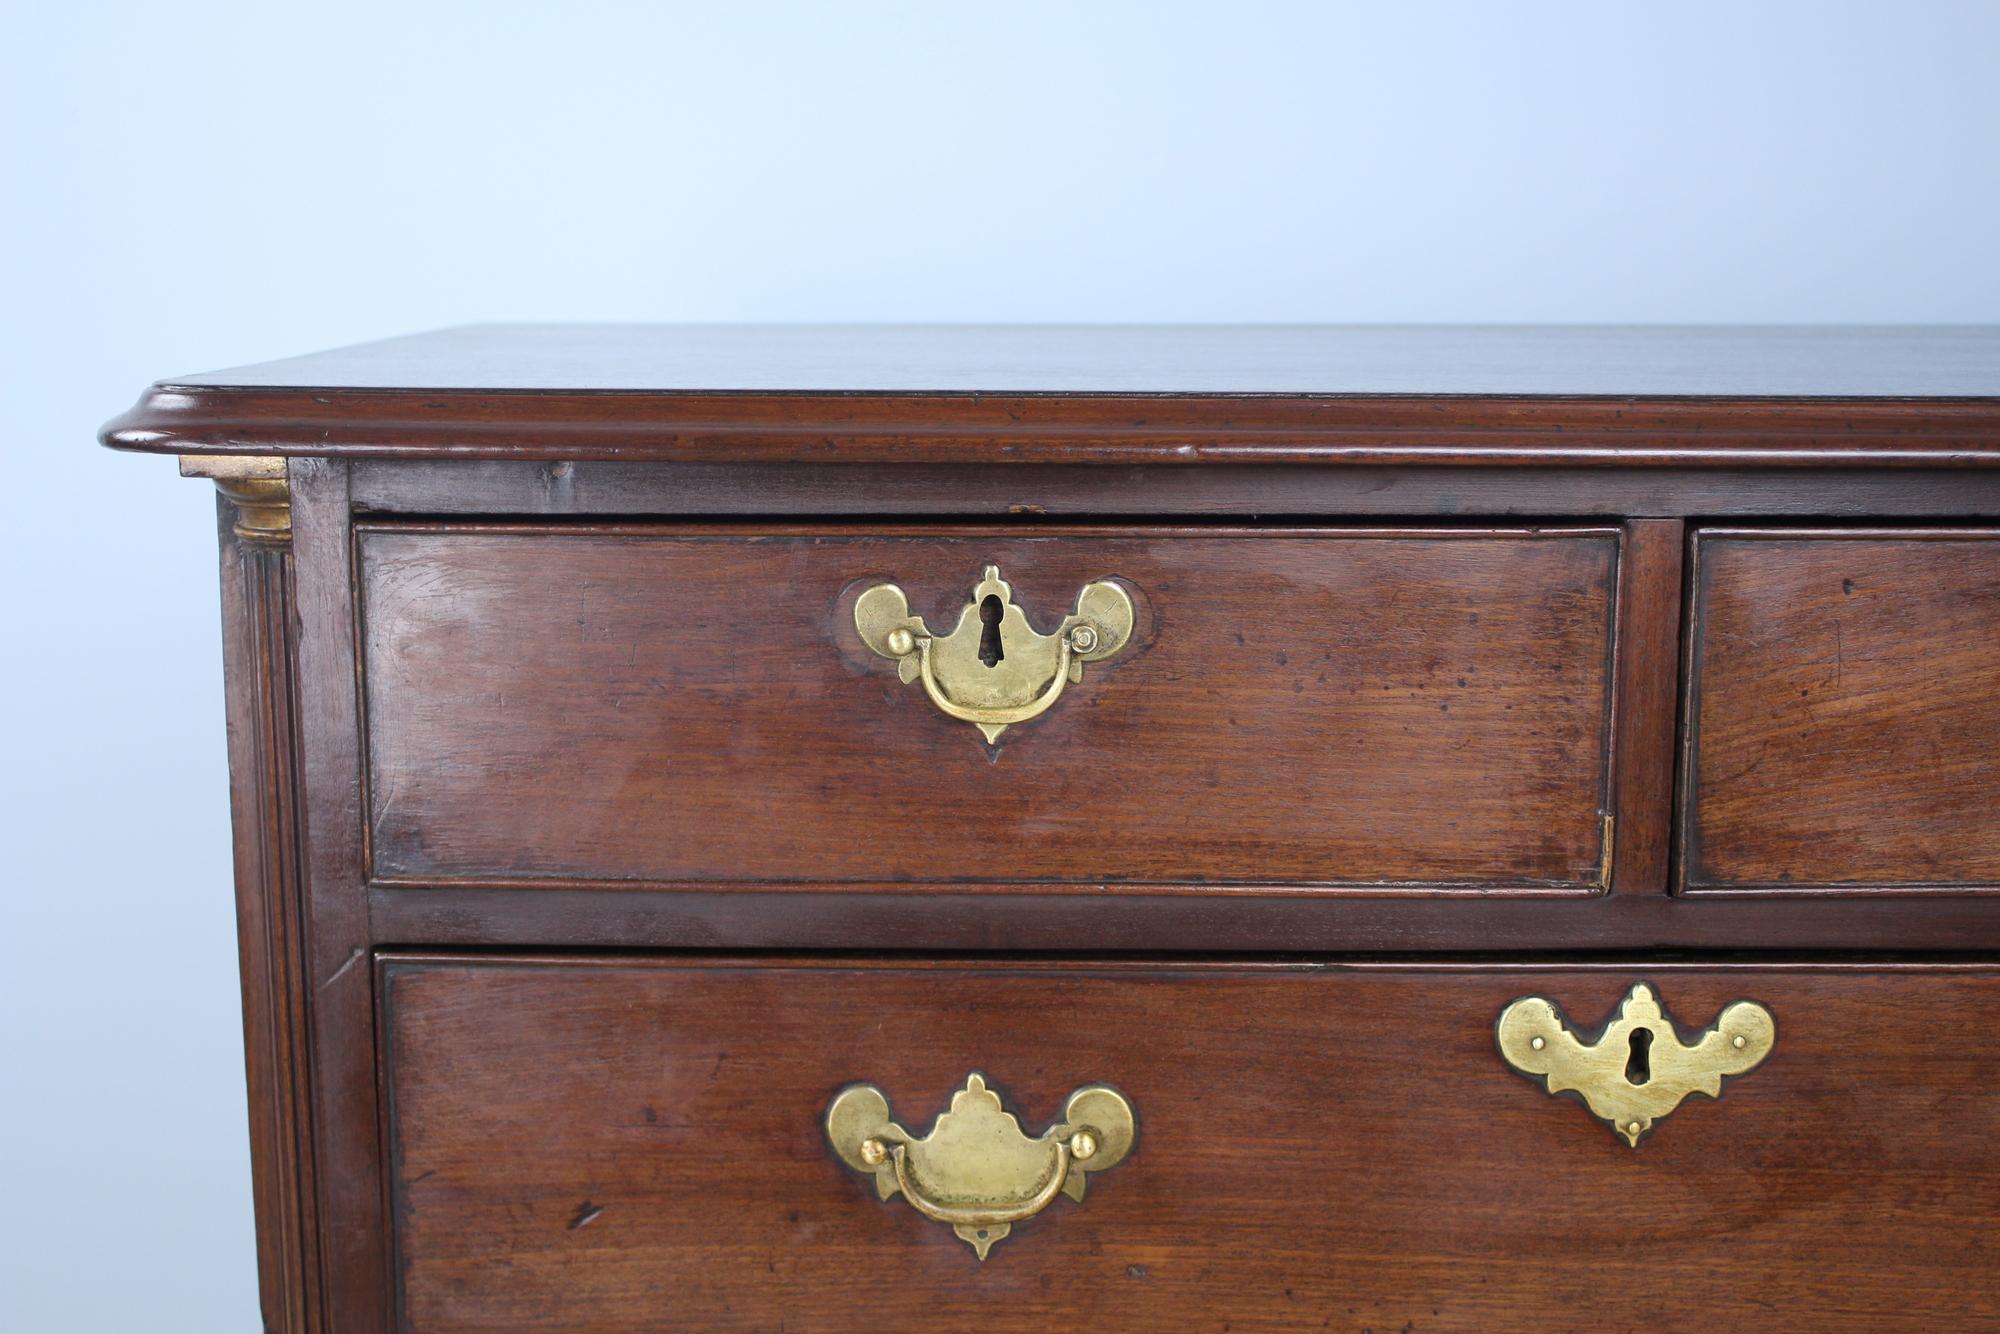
(1646, 661)
(1844, 707)
(1389, 710)
(258, 661)
(595, 586)
(1240, 921)
(337, 988)
(636, 1145)
(1123, 430)
(1168, 395)
(1024, 493)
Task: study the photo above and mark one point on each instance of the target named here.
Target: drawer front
(1414, 711)
(1844, 712)
(627, 1145)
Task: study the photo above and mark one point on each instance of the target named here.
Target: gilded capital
(255, 485)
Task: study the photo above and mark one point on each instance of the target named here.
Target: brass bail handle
(994, 670)
(976, 1172)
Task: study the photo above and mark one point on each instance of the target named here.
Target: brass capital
(255, 485)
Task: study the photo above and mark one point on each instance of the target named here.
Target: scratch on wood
(586, 1214)
(354, 956)
(1608, 844)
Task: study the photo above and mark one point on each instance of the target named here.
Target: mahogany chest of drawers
(1436, 829)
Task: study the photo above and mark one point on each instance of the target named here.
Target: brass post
(256, 485)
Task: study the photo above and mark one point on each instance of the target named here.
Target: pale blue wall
(193, 185)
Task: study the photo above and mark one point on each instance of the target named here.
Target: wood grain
(1169, 395)
(337, 987)
(1647, 658)
(1130, 430)
(1192, 920)
(595, 584)
(264, 795)
(598, 1146)
(652, 705)
(1028, 493)
(1845, 712)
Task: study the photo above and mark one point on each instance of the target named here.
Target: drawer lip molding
(1550, 596)
(1864, 722)
(1296, 1122)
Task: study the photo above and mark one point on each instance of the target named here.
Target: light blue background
(193, 185)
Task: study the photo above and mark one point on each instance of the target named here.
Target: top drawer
(1843, 712)
(1397, 711)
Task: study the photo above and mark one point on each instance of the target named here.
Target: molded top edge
(1140, 394)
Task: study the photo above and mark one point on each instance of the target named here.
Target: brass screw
(873, 1151)
(901, 641)
(1739, 1041)
(1633, 1128)
(1538, 1043)
(1084, 638)
(1082, 1145)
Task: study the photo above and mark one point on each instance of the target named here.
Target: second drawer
(636, 1144)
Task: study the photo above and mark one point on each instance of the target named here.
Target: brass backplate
(976, 1171)
(1638, 1069)
(994, 669)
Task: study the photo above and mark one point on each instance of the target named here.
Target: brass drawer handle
(976, 1171)
(1638, 1069)
(993, 670)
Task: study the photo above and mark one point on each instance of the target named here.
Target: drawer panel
(638, 1144)
(1400, 711)
(1844, 712)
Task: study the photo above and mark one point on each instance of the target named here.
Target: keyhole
(1639, 1065)
(990, 610)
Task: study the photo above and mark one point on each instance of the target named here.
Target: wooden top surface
(1093, 394)
(1566, 360)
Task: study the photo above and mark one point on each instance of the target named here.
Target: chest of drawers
(737, 828)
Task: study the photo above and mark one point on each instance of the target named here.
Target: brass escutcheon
(1638, 1069)
(976, 1171)
(993, 670)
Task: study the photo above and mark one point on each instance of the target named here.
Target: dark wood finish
(1240, 921)
(347, 1149)
(264, 808)
(592, 1146)
(1619, 361)
(780, 428)
(1382, 710)
(1297, 394)
(1646, 661)
(1500, 1206)
(1026, 493)
(1844, 712)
